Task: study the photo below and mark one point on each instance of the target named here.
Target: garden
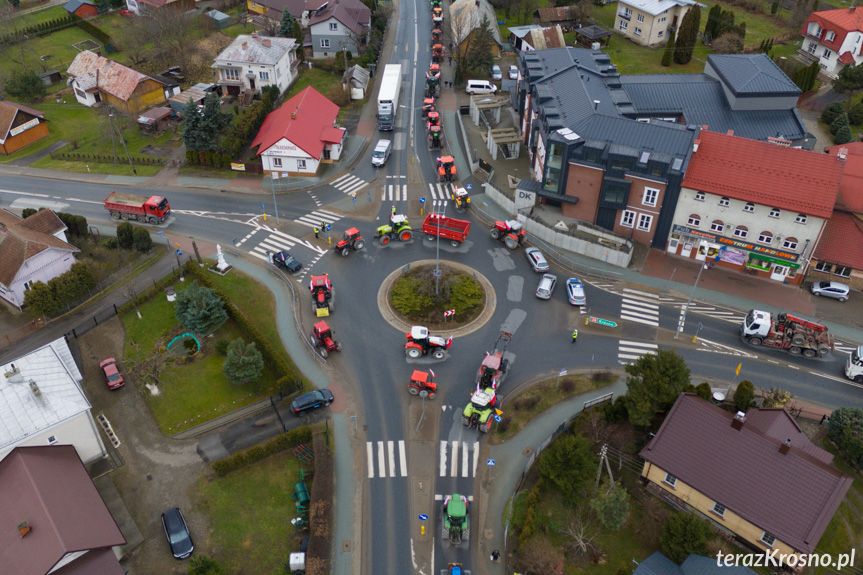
(422, 298)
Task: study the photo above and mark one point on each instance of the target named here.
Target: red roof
(302, 121)
(333, 135)
(846, 58)
(840, 243)
(851, 187)
(839, 21)
(767, 174)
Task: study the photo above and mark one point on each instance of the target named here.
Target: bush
(466, 295)
(843, 135)
(289, 385)
(110, 243)
(243, 363)
(338, 95)
(142, 240)
(25, 85)
(615, 411)
(744, 395)
(845, 430)
(278, 444)
(222, 347)
(840, 122)
(407, 297)
(567, 385)
(27, 212)
(60, 292)
(832, 112)
(703, 391)
(685, 533)
(125, 235)
(855, 114)
(200, 309)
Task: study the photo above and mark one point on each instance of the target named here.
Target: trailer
(150, 210)
(447, 228)
(784, 331)
(388, 97)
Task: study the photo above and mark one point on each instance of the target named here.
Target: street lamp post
(682, 320)
(439, 210)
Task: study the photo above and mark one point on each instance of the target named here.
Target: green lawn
(157, 319)
(250, 511)
(40, 16)
(58, 46)
(320, 79)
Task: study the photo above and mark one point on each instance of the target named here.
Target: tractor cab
(461, 198)
(422, 381)
(488, 371)
(434, 71)
(351, 240)
(428, 106)
(484, 397)
(322, 295)
(437, 15)
(436, 35)
(437, 52)
(322, 340)
(446, 169)
(435, 137)
(420, 343)
(398, 220)
(433, 120)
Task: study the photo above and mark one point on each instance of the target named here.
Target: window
(334, 26)
(823, 267)
(699, 196)
(264, 75)
(775, 212)
(325, 43)
(301, 164)
(627, 219)
(670, 479)
(768, 539)
(827, 54)
(640, 17)
(637, 31)
(231, 74)
(663, 19)
(765, 238)
(644, 222)
(724, 202)
(830, 36)
(623, 25)
(650, 196)
(800, 219)
(80, 94)
(277, 162)
(717, 226)
(659, 34)
(694, 220)
(27, 286)
(842, 271)
(52, 440)
(627, 12)
(749, 207)
(719, 509)
(790, 244)
(741, 232)
(812, 47)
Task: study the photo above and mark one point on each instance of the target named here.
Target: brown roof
(20, 241)
(559, 14)
(93, 72)
(8, 111)
(48, 487)
(352, 13)
(851, 187)
(792, 496)
(777, 423)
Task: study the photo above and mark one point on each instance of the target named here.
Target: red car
(113, 377)
(127, 13)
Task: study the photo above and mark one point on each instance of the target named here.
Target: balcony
(624, 16)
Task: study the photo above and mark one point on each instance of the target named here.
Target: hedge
(92, 30)
(277, 444)
(38, 30)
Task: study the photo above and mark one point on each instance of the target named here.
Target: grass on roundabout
(421, 298)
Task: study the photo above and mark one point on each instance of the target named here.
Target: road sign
(328, 227)
(160, 232)
(497, 418)
(562, 372)
(422, 200)
(423, 517)
(262, 206)
(468, 186)
(600, 321)
(490, 462)
(354, 198)
(179, 253)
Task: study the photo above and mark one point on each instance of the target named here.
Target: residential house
(251, 62)
(535, 37)
(659, 564)
(301, 135)
(598, 140)
(20, 126)
(96, 79)
(517, 34)
(142, 6)
(741, 471)
(31, 250)
(81, 8)
(650, 22)
(754, 206)
(833, 38)
(465, 18)
(62, 524)
(838, 256)
(42, 403)
(196, 93)
(338, 25)
(563, 15)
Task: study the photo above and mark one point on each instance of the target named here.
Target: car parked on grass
(575, 291)
(177, 532)
(127, 13)
(113, 378)
(513, 72)
(546, 286)
(286, 261)
(311, 400)
(536, 260)
(835, 290)
(496, 74)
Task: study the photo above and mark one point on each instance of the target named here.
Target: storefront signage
(24, 127)
(779, 254)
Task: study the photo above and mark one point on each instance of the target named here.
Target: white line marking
(475, 457)
(636, 320)
(638, 304)
(454, 467)
(370, 458)
(259, 256)
(442, 458)
(392, 454)
(382, 469)
(464, 455)
(403, 460)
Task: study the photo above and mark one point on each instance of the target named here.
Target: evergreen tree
(611, 505)
(840, 122)
(286, 27)
(687, 35)
(213, 122)
(669, 50)
(831, 112)
(850, 80)
(843, 136)
(480, 52)
(200, 309)
(774, 8)
(653, 384)
(243, 363)
(712, 20)
(725, 24)
(855, 114)
(741, 31)
(192, 127)
(298, 36)
(744, 395)
(25, 85)
(685, 533)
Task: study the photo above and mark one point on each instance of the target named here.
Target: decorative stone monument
(221, 267)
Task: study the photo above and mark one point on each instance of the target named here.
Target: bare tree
(540, 556)
(457, 34)
(595, 427)
(11, 26)
(149, 368)
(170, 32)
(581, 534)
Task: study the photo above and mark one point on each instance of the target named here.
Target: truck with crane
(785, 331)
(150, 210)
(388, 97)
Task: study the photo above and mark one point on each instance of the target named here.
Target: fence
(104, 159)
(22, 331)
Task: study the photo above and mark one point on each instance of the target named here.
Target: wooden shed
(20, 126)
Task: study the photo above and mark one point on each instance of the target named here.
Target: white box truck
(388, 97)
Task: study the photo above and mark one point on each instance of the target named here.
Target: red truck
(448, 228)
(152, 210)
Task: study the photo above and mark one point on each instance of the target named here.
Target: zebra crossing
(640, 307)
(316, 218)
(441, 191)
(847, 348)
(349, 184)
(385, 454)
(395, 193)
(630, 351)
(276, 241)
(729, 316)
(450, 458)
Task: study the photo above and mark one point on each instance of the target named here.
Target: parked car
(311, 400)
(513, 72)
(496, 74)
(286, 261)
(546, 286)
(536, 260)
(177, 533)
(113, 377)
(575, 291)
(127, 13)
(835, 290)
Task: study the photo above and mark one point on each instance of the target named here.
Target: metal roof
(254, 50)
(748, 74)
(521, 31)
(655, 7)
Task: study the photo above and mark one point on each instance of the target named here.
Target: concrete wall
(80, 431)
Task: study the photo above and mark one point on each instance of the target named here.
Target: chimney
(255, 34)
(595, 104)
(245, 45)
(739, 419)
(843, 152)
(266, 42)
(785, 447)
(730, 132)
(851, 8)
(695, 144)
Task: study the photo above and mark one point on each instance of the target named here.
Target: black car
(311, 400)
(286, 260)
(177, 533)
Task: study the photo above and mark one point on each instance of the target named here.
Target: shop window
(790, 244)
(644, 222)
(765, 238)
(717, 226)
(741, 232)
(775, 212)
(724, 202)
(699, 196)
(719, 509)
(823, 267)
(842, 271)
(694, 220)
(800, 219)
(749, 207)
(650, 196)
(627, 219)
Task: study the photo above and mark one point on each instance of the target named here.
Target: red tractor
(492, 370)
(420, 343)
(322, 295)
(351, 240)
(428, 107)
(437, 53)
(322, 340)
(446, 171)
(510, 232)
(422, 381)
(433, 120)
(436, 35)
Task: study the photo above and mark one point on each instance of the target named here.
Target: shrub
(142, 240)
(567, 385)
(110, 243)
(243, 363)
(407, 297)
(466, 295)
(27, 212)
(25, 85)
(222, 347)
(685, 533)
(845, 430)
(278, 444)
(703, 391)
(125, 235)
(289, 384)
(837, 124)
(744, 395)
(843, 135)
(615, 411)
(832, 112)
(855, 114)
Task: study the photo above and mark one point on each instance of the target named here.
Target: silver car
(496, 73)
(575, 291)
(835, 290)
(536, 259)
(513, 72)
(546, 286)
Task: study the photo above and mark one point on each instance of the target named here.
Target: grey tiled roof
(748, 74)
(251, 50)
(657, 564)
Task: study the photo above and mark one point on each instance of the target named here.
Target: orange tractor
(436, 35)
(433, 120)
(422, 381)
(446, 171)
(437, 53)
(428, 106)
(437, 16)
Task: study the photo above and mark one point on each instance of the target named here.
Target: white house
(834, 38)
(650, 22)
(301, 135)
(251, 62)
(31, 250)
(42, 403)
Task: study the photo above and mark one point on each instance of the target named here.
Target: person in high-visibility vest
(574, 335)
(316, 232)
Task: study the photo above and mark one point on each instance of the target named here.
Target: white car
(546, 286)
(496, 74)
(575, 291)
(513, 72)
(536, 260)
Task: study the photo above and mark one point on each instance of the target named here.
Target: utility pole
(439, 211)
(113, 141)
(123, 141)
(682, 320)
(603, 457)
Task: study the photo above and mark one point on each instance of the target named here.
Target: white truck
(854, 365)
(388, 97)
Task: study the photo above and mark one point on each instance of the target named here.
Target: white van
(382, 152)
(480, 87)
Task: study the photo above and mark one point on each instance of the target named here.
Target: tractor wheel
(151, 221)
(808, 352)
(405, 235)
(504, 365)
(495, 234)
(511, 242)
(313, 340)
(438, 354)
(331, 306)
(360, 244)
(346, 251)
(314, 309)
(324, 353)
(115, 215)
(413, 352)
(385, 240)
(338, 346)
(454, 243)
(794, 350)
(431, 395)
(413, 390)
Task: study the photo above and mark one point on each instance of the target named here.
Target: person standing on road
(495, 555)
(574, 335)
(316, 232)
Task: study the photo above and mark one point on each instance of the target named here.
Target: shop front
(734, 254)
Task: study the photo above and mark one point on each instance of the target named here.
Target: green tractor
(399, 227)
(481, 410)
(456, 523)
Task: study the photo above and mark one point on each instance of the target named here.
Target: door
(687, 249)
(251, 85)
(701, 255)
(779, 273)
(672, 245)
